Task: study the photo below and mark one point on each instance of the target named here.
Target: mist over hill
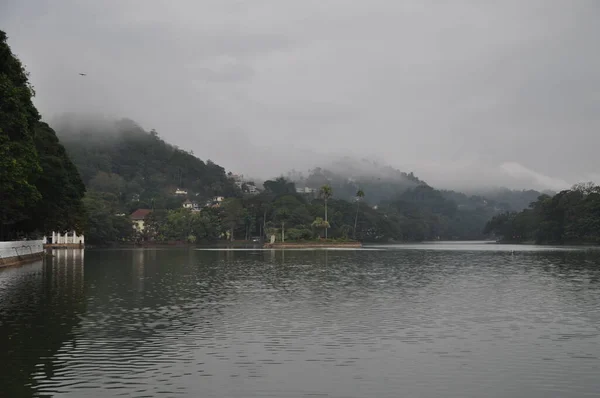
(382, 182)
(125, 167)
(120, 156)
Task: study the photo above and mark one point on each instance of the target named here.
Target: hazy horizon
(469, 94)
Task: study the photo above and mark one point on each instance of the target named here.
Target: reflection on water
(40, 305)
(420, 320)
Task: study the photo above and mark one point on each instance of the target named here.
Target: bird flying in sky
(82, 74)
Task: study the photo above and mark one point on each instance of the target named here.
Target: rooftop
(140, 214)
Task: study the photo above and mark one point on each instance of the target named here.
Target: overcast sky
(460, 92)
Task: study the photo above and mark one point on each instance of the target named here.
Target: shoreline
(325, 245)
(508, 242)
(20, 260)
(20, 252)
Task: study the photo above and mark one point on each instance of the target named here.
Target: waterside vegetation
(570, 217)
(92, 178)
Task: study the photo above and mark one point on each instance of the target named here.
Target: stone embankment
(20, 252)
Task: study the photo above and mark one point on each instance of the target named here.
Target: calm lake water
(428, 320)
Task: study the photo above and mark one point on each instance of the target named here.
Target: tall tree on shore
(359, 195)
(319, 223)
(40, 188)
(61, 208)
(19, 163)
(326, 193)
(282, 215)
(234, 213)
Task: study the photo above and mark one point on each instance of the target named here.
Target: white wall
(20, 248)
(69, 238)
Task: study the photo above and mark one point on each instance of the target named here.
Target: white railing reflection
(67, 268)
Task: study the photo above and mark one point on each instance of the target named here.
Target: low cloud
(456, 92)
(535, 179)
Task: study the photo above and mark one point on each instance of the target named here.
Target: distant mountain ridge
(383, 183)
(125, 168)
(347, 175)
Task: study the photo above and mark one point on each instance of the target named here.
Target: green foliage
(360, 194)
(140, 168)
(571, 216)
(183, 225)
(414, 210)
(128, 168)
(346, 176)
(61, 207)
(325, 192)
(299, 234)
(40, 189)
(233, 210)
(423, 213)
(19, 163)
(318, 225)
(280, 186)
(103, 225)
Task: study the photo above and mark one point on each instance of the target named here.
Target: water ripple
(187, 323)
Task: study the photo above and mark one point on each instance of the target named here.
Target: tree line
(278, 210)
(419, 214)
(106, 171)
(571, 216)
(126, 168)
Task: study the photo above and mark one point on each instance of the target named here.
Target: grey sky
(460, 92)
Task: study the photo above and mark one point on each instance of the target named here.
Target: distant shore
(531, 242)
(172, 244)
(316, 244)
(224, 243)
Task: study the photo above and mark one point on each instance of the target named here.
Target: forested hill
(347, 175)
(417, 210)
(40, 189)
(512, 199)
(120, 158)
(385, 183)
(571, 216)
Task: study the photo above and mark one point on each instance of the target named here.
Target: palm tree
(283, 215)
(320, 223)
(359, 195)
(326, 192)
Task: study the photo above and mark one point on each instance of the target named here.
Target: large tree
(359, 195)
(19, 163)
(233, 214)
(61, 208)
(326, 193)
(40, 188)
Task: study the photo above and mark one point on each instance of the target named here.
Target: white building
(179, 191)
(68, 239)
(188, 204)
(215, 201)
(306, 190)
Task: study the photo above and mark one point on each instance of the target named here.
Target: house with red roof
(139, 217)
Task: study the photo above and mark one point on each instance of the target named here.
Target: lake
(429, 320)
